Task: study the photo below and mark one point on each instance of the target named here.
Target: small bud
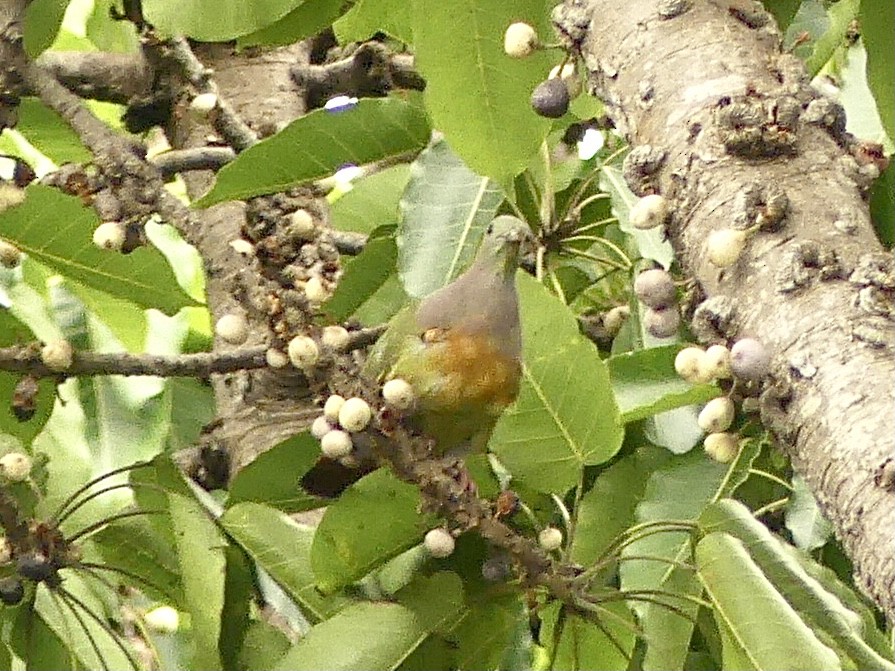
(649, 212)
(335, 337)
(716, 363)
(232, 328)
(655, 289)
(717, 415)
(662, 323)
(109, 235)
(242, 247)
(303, 352)
(550, 539)
(10, 195)
(203, 104)
(275, 358)
(57, 355)
(725, 246)
(722, 447)
(615, 318)
(302, 225)
(519, 40)
(10, 256)
(163, 619)
(5, 552)
(749, 360)
(688, 364)
(320, 427)
(15, 466)
(550, 99)
(332, 407)
(439, 543)
(315, 291)
(569, 76)
(355, 414)
(336, 444)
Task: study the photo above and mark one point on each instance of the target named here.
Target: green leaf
(488, 626)
(804, 519)
(306, 20)
(678, 490)
(43, 18)
(565, 417)
(841, 15)
(821, 609)
(583, 644)
(49, 133)
(368, 17)
(239, 592)
(107, 33)
(125, 319)
(57, 231)
(372, 201)
(762, 625)
(882, 206)
(281, 547)
(608, 507)
(652, 243)
(136, 546)
(374, 520)
(645, 383)
(437, 599)
(216, 22)
(476, 94)
(877, 28)
(319, 143)
(383, 304)
(363, 276)
(784, 11)
(444, 212)
(273, 477)
(13, 332)
(381, 635)
(200, 551)
(31, 639)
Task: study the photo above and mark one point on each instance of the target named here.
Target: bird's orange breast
(475, 373)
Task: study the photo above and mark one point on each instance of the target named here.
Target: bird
(460, 349)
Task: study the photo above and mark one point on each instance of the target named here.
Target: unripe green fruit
(163, 619)
(749, 360)
(688, 364)
(655, 289)
(355, 414)
(649, 212)
(550, 98)
(303, 352)
(301, 225)
(722, 447)
(232, 328)
(332, 407)
(335, 337)
(10, 256)
(398, 394)
(716, 362)
(550, 538)
(315, 290)
(275, 358)
(11, 591)
(725, 246)
(57, 355)
(717, 415)
(662, 323)
(109, 235)
(615, 318)
(439, 543)
(320, 427)
(519, 40)
(336, 444)
(15, 466)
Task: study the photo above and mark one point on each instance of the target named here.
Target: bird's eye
(490, 229)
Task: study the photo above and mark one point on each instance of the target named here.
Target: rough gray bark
(736, 124)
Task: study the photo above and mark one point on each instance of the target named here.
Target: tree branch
(727, 116)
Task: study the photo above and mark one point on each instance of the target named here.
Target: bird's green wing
(402, 330)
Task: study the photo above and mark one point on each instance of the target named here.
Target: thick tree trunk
(706, 86)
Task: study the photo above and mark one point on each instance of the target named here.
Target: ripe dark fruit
(11, 591)
(35, 567)
(551, 98)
